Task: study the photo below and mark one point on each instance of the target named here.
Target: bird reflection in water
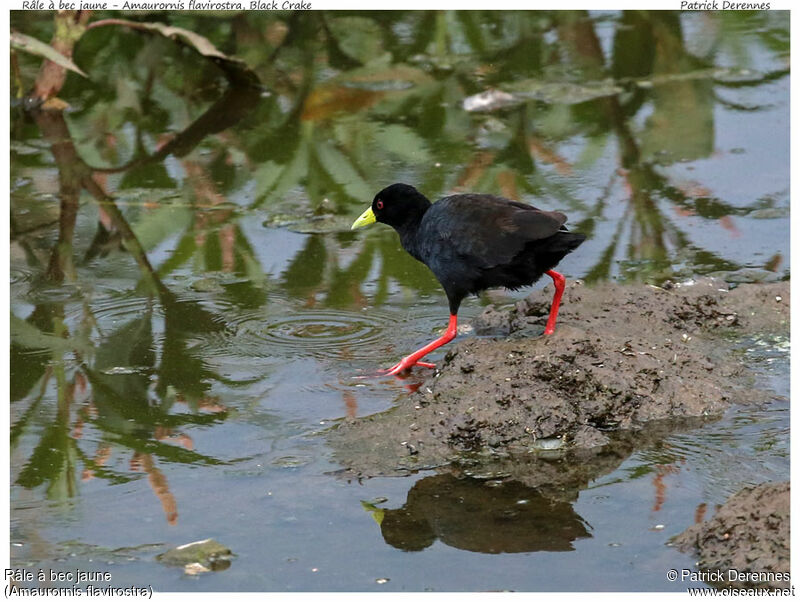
(492, 517)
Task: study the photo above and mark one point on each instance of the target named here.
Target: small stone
(195, 568)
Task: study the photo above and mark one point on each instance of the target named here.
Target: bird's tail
(565, 242)
(549, 251)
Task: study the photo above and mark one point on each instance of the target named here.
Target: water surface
(185, 331)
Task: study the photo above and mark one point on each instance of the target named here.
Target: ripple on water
(113, 310)
(322, 334)
(20, 274)
(749, 445)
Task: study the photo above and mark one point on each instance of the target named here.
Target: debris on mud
(747, 541)
(622, 357)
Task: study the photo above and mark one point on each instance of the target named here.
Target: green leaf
(267, 174)
(233, 67)
(593, 150)
(384, 77)
(28, 336)
(33, 46)
(403, 142)
(157, 225)
(359, 38)
(183, 252)
(341, 170)
(275, 185)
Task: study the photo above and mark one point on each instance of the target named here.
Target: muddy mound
(368, 449)
(622, 357)
(706, 305)
(747, 541)
(574, 385)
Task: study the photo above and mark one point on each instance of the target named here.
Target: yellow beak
(365, 219)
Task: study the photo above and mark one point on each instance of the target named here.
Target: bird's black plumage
(472, 242)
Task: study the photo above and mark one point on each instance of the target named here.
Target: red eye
(379, 205)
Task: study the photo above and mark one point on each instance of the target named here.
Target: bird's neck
(409, 231)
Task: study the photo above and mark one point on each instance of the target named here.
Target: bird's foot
(404, 366)
(401, 369)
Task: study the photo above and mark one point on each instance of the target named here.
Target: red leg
(413, 360)
(558, 282)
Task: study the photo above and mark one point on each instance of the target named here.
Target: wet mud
(627, 365)
(746, 543)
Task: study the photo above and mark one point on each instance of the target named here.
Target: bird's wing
(490, 230)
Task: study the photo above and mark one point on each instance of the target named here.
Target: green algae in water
(208, 553)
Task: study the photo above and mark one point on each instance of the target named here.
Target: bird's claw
(404, 366)
(401, 369)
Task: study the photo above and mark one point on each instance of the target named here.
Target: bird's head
(395, 205)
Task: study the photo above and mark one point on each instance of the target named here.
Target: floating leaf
(20, 41)
(770, 213)
(322, 224)
(563, 92)
(376, 512)
(208, 553)
(721, 74)
(566, 93)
